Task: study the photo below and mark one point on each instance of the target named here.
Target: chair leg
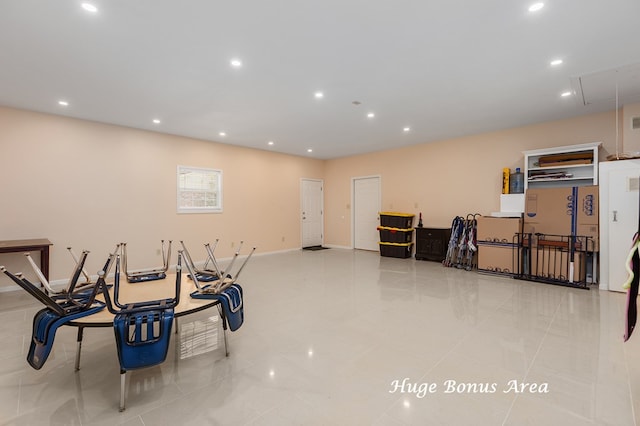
(79, 347)
(224, 334)
(224, 329)
(123, 376)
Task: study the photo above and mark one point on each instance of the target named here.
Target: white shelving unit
(574, 174)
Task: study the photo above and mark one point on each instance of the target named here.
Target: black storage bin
(395, 235)
(396, 220)
(399, 250)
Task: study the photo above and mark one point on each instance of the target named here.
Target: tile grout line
(19, 397)
(20, 380)
(626, 366)
(462, 339)
(533, 360)
(448, 353)
(426, 374)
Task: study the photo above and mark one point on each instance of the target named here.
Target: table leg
(44, 261)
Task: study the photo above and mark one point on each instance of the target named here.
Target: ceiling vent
(604, 86)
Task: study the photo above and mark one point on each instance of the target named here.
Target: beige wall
(452, 177)
(630, 137)
(91, 185)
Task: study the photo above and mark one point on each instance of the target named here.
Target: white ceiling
(444, 68)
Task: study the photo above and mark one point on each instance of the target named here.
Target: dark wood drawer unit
(432, 243)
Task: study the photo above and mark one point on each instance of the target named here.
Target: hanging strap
(638, 230)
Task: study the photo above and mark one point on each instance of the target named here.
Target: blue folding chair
(60, 308)
(230, 300)
(148, 274)
(45, 324)
(142, 329)
(223, 287)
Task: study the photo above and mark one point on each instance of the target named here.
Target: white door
(619, 219)
(312, 206)
(366, 209)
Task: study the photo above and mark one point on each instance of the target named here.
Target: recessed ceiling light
(565, 94)
(63, 103)
(406, 129)
(371, 115)
(222, 134)
(535, 7)
(319, 95)
(556, 62)
(309, 150)
(89, 7)
(156, 121)
(270, 143)
(236, 63)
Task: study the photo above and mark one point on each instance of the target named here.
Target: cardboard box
(565, 159)
(497, 258)
(562, 211)
(498, 229)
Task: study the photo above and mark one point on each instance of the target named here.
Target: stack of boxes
(498, 244)
(557, 223)
(396, 234)
(562, 214)
(563, 211)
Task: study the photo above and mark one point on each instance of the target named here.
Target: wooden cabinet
(432, 243)
(573, 165)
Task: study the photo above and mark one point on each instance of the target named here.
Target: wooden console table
(432, 243)
(41, 245)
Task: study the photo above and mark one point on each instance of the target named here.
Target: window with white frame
(199, 190)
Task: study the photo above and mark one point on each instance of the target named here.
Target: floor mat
(314, 248)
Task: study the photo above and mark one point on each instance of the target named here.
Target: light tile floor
(326, 336)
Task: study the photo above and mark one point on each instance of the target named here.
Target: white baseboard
(276, 251)
(63, 282)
